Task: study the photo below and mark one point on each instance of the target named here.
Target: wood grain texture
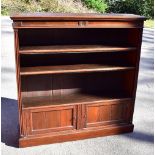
(72, 49)
(79, 24)
(76, 75)
(101, 114)
(18, 78)
(58, 87)
(49, 119)
(74, 16)
(58, 20)
(71, 69)
(38, 102)
(76, 135)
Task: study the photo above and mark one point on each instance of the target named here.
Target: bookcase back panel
(109, 36)
(109, 58)
(62, 85)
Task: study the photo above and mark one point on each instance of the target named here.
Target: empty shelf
(75, 98)
(72, 49)
(78, 68)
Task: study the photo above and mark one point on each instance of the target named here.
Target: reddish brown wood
(75, 135)
(72, 49)
(49, 119)
(70, 20)
(18, 79)
(74, 16)
(71, 69)
(81, 24)
(76, 98)
(75, 83)
(101, 114)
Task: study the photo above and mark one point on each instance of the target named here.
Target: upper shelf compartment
(88, 39)
(72, 49)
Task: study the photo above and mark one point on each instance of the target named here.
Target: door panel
(112, 112)
(117, 111)
(50, 119)
(97, 113)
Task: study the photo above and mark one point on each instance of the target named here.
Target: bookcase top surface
(73, 16)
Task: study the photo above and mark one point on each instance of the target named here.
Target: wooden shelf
(79, 68)
(72, 49)
(76, 98)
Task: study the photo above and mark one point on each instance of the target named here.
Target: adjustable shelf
(72, 49)
(76, 75)
(78, 68)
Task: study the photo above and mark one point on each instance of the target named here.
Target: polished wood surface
(71, 69)
(76, 98)
(70, 20)
(107, 114)
(76, 75)
(71, 16)
(75, 135)
(78, 24)
(50, 119)
(72, 49)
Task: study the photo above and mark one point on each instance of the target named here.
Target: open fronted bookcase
(76, 75)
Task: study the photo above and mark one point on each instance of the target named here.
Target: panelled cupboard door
(102, 114)
(50, 119)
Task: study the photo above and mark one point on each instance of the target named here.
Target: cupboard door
(50, 119)
(101, 114)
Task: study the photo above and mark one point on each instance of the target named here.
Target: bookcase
(76, 75)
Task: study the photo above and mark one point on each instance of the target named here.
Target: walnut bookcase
(76, 75)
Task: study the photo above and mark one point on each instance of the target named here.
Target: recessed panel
(52, 119)
(112, 112)
(98, 114)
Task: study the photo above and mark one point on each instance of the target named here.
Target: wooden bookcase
(76, 75)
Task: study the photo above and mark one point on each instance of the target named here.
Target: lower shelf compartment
(75, 135)
(76, 98)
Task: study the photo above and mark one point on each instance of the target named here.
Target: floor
(140, 142)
